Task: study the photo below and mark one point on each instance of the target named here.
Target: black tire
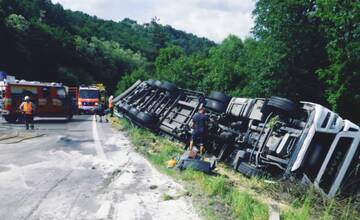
(11, 118)
(226, 137)
(215, 106)
(281, 104)
(198, 165)
(169, 86)
(125, 107)
(168, 94)
(151, 82)
(226, 141)
(158, 84)
(146, 119)
(219, 96)
(133, 113)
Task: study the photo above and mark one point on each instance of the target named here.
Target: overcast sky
(214, 19)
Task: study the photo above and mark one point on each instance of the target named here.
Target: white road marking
(98, 147)
(104, 211)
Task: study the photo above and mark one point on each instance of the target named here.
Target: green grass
(230, 195)
(167, 197)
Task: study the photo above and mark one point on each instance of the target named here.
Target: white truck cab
(316, 144)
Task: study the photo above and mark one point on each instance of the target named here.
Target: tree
(158, 38)
(225, 66)
(129, 79)
(340, 20)
(290, 30)
(17, 23)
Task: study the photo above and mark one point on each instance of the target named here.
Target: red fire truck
(89, 97)
(50, 99)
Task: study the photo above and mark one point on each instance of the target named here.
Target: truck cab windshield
(89, 94)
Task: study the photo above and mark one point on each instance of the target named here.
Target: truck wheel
(226, 137)
(133, 112)
(125, 107)
(158, 84)
(151, 82)
(169, 86)
(10, 118)
(220, 97)
(215, 106)
(146, 119)
(284, 105)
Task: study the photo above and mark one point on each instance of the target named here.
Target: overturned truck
(256, 136)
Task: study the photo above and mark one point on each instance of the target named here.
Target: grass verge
(229, 195)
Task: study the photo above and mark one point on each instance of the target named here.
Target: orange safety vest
(28, 108)
(111, 104)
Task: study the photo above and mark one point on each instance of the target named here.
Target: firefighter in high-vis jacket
(28, 110)
(111, 106)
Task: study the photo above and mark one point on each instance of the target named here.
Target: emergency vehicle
(50, 99)
(89, 98)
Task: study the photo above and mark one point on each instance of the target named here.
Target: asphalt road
(81, 170)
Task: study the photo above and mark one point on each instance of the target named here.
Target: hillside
(42, 41)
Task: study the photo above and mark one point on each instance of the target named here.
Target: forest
(301, 49)
(41, 41)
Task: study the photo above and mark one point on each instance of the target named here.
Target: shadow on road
(61, 121)
(51, 120)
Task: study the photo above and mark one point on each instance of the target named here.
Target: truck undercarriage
(274, 136)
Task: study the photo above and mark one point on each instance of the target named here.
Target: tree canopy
(41, 41)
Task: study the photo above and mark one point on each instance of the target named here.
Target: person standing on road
(111, 106)
(200, 120)
(100, 111)
(28, 110)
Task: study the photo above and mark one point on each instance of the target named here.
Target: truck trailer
(255, 136)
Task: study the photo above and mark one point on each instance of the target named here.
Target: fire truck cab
(50, 99)
(88, 99)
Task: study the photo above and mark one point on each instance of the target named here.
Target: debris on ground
(191, 160)
(153, 187)
(171, 163)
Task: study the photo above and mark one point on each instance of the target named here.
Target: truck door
(60, 102)
(44, 106)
